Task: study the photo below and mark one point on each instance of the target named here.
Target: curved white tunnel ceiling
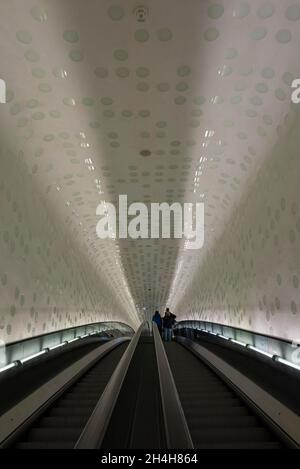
(203, 86)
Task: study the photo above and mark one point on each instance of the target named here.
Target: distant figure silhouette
(168, 322)
(158, 320)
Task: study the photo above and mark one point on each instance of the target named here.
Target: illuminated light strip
(285, 362)
(8, 367)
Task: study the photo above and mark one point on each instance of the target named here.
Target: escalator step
(79, 395)
(199, 387)
(91, 383)
(192, 378)
(63, 403)
(68, 411)
(203, 392)
(95, 376)
(216, 416)
(86, 391)
(240, 445)
(45, 445)
(207, 402)
(214, 410)
(53, 434)
(89, 387)
(63, 422)
(82, 397)
(227, 435)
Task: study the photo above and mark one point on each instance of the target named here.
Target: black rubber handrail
(176, 428)
(95, 429)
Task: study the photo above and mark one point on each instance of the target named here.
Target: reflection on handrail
(41, 352)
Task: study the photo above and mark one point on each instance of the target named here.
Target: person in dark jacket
(173, 316)
(168, 322)
(158, 320)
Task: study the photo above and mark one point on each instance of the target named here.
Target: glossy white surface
(205, 87)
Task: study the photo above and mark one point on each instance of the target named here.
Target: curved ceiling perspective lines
(191, 102)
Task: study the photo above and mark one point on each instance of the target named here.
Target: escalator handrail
(95, 429)
(176, 427)
(23, 414)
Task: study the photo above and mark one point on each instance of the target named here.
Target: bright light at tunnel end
(188, 221)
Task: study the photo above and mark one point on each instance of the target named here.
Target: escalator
(125, 381)
(215, 414)
(137, 420)
(147, 395)
(61, 424)
(31, 376)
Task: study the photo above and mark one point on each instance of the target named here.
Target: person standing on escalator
(168, 322)
(158, 320)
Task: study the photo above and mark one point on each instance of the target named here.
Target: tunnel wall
(250, 278)
(46, 282)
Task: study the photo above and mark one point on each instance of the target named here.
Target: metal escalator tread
(62, 423)
(216, 416)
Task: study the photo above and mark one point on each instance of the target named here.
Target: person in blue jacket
(158, 320)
